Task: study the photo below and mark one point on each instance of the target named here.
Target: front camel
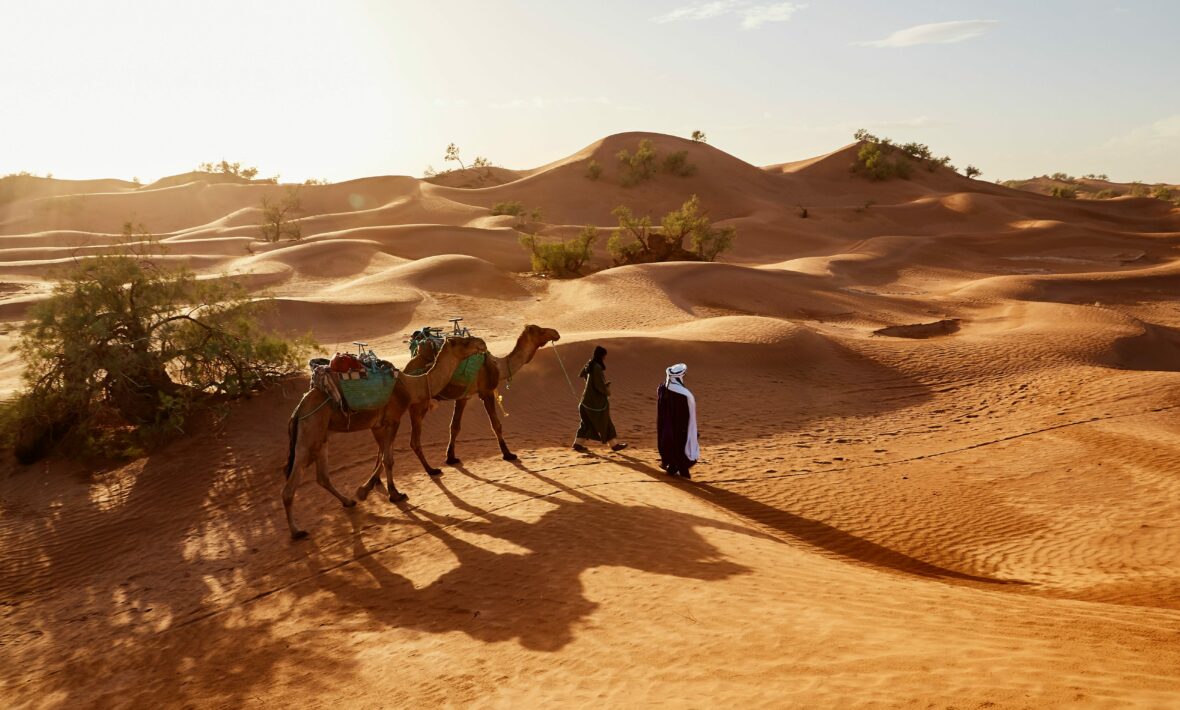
(487, 381)
(315, 418)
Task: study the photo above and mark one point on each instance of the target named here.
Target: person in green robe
(594, 408)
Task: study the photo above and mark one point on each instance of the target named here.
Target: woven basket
(370, 392)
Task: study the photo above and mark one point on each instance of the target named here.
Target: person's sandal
(580, 449)
(618, 447)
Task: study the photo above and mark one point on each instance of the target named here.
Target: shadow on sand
(812, 532)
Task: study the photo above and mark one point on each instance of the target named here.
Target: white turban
(675, 373)
(675, 383)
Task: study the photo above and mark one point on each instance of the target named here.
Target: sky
(352, 88)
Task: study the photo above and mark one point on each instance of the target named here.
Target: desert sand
(978, 506)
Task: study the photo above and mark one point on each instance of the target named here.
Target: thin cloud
(934, 33)
(753, 15)
(1164, 133)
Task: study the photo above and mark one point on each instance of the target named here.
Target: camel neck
(520, 356)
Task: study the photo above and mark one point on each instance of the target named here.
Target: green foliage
(1105, 194)
(593, 170)
(677, 164)
(225, 167)
(278, 217)
(126, 346)
(638, 166)
(1138, 189)
(873, 159)
(699, 137)
(972, 172)
(1069, 193)
(562, 259)
(513, 208)
(1062, 177)
(635, 241)
(316, 181)
(1162, 192)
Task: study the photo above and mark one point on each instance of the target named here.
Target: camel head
(541, 336)
(463, 347)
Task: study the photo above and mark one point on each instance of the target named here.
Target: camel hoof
(454, 461)
(397, 497)
(434, 471)
(348, 503)
(361, 493)
(298, 534)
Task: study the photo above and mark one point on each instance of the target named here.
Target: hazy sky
(351, 88)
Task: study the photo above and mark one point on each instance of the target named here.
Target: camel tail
(292, 434)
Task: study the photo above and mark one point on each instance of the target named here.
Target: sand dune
(940, 455)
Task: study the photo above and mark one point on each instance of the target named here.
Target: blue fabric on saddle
(370, 391)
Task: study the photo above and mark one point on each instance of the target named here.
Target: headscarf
(599, 353)
(675, 374)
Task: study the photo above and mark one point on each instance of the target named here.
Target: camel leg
(362, 491)
(395, 496)
(301, 456)
(417, 412)
(321, 477)
(456, 422)
(489, 403)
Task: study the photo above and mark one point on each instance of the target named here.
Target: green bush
(635, 241)
(513, 208)
(677, 164)
(1138, 189)
(699, 137)
(125, 347)
(874, 160)
(638, 166)
(1062, 177)
(972, 172)
(563, 258)
(593, 170)
(1162, 192)
(1105, 194)
(1069, 193)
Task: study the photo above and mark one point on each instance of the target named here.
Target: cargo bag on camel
(355, 383)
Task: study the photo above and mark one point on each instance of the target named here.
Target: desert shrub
(278, 217)
(316, 181)
(638, 166)
(875, 161)
(1015, 184)
(513, 208)
(635, 241)
(562, 258)
(227, 168)
(452, 154)
(699, 137)
(593, 170)
(1162, 192)
(529, 220)
(972, 172)
(1062, 177)
(1105, 194)
(1138, 189)
(677, 164)
(1068, 193)
(126, 347)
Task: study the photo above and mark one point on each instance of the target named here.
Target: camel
(531, 339)
(315, 418)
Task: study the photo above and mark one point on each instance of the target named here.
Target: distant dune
(941, 458)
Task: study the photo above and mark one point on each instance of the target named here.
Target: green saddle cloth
(372, 392)
(468, 370)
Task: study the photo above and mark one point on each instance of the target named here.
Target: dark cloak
(672, 428)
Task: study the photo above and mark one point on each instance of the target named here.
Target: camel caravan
(356, 392)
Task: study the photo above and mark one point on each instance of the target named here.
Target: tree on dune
(972, 171)
(561, 258)
(699, 137)
(635, 241)
(128, 345)
(278, 217)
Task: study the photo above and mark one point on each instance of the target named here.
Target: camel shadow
(812, 532)
(536, 593)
